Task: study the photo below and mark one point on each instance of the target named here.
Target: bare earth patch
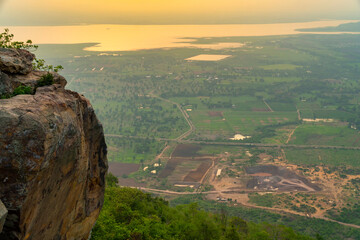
(215, 114)
(208, 57)
(119, 169)
(280, 179)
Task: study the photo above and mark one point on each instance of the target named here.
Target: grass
(284, 70)
(280, 67)
(266, 200)
(326, 157)
(281, 135)
(132, 151)
(213, 149)
(237, 122)
(321, 134)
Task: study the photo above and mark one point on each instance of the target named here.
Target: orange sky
(43, 12)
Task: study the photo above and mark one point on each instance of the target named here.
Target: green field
(325, 134)
(326, 157)
(280, 67)
(256, 92)
(315, 74)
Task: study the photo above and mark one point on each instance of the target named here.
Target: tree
(6, 41)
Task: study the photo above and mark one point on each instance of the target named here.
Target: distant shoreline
(142, 37)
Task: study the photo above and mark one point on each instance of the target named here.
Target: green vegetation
(266, 200)
(280, 67)
(39, 64)
(133, 150)
(223, 98)
(22, 89)
(131, 214)
(46, 80)
(347, 27)
(264, 91)
(346, 215)
(351, 212)
(282, 200)
(310, 226)
(327, 157)
(326, 134)
(6, 41)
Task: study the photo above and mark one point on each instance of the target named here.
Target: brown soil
(197, 175)
(174, 162)
(261, 175)
(130, 182)
(186, 150)
(215, 114)
(119, 169)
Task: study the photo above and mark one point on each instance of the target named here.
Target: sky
(73, 12)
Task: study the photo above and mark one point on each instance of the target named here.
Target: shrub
(6, 41)
(22, 89)
(45, 80)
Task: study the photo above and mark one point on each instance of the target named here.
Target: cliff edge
(52, 155)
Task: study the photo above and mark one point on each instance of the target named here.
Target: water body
(137, 37)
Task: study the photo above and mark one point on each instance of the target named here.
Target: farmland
(300, 90)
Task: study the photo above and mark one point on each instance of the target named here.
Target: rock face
(3, 214)
(52, 157)
(16, 61)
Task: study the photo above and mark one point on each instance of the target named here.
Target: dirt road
(276, 210)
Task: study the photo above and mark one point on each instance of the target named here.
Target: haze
(66, 12)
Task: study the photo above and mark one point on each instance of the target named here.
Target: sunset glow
(172, 12)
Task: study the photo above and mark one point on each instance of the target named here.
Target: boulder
(3, 214)
(52, 160)
(16, 61)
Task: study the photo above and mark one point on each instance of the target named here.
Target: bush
(6, 41)
(22, 89)
(45, 80)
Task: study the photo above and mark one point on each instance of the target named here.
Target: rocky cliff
(52, 155)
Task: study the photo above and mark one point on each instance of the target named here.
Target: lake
(137, 37)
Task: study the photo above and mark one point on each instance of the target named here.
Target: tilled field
(119, 169)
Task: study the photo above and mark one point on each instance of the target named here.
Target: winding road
(183, 112)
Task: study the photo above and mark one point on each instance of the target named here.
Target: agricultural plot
(186, 166)
(282, 135)
(241, 122)
(132, 150)
(186, 150)
(280, 67)
(325, 134)
(120, 169)
(208, 57)
(326, 157)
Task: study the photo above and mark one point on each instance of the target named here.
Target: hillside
(131, 214)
